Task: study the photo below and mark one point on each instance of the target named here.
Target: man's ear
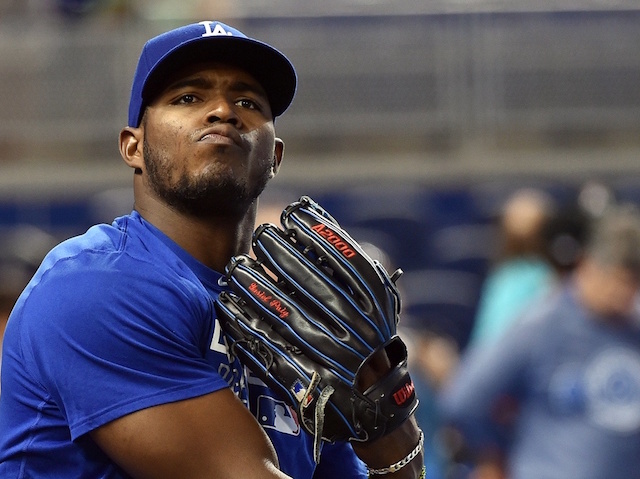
(131, 147)
(278, 155)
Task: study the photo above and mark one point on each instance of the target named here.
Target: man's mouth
(217, 139)
(221, 135)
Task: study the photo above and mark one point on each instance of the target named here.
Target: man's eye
(246, 103)
(186, 99)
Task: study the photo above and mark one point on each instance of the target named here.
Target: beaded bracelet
(402, 462)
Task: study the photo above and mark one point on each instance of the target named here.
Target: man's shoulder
(103, 263)
(126, 240)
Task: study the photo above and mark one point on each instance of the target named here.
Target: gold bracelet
(402, 462)
(423, 473)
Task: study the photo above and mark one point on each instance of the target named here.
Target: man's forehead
(213, 74)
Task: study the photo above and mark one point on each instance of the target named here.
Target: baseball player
(115, 362)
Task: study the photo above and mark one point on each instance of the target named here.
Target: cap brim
(267, 65)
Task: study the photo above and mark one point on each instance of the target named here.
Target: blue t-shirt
(575, 384)
(114, 321)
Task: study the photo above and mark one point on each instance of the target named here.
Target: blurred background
(413, 122)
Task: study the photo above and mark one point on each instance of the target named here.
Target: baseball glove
(306, 318)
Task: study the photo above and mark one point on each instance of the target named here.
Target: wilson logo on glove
(274, 304)
(404, 393)
(335, 240)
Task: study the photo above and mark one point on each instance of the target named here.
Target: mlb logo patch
(299, 390)
(275, 414)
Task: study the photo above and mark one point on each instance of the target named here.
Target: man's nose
(223, 110)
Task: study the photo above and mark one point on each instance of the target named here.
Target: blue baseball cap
(210, 41)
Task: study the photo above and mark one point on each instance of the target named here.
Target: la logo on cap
(215, 31)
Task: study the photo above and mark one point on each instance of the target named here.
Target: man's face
(209, 141)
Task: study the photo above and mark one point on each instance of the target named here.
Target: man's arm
(210, 436)
(392, 448)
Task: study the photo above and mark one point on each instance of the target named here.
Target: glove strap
(394, 395)
(395, 467)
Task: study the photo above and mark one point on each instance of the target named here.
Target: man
(114, 362)
(523, 271)
(558, 395)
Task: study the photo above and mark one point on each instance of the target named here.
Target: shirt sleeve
(108, 337)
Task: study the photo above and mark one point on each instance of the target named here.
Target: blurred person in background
(558, 395)
(522, 271)
(566, 231)
(564, 235)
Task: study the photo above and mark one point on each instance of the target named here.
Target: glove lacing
(321, 403)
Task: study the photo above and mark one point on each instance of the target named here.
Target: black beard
(203, 197)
